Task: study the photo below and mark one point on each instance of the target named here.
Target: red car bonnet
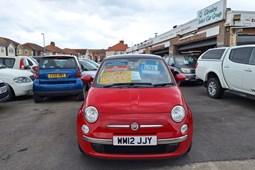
(134, 100)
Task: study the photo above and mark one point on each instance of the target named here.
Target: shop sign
(144, 44)
(211, 14)
(249, 20)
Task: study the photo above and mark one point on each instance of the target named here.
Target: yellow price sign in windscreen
(116, 77)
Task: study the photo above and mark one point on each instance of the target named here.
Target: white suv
(20, 62)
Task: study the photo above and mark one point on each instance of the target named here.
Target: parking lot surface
(43, 136)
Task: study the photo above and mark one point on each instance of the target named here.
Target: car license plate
(134, 140)
(3, 89)
(56, 75)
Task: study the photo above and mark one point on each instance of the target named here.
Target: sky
(98, 24)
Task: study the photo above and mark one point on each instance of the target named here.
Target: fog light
(184, 128)
(85, 129)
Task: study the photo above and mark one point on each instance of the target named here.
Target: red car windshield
(133, 73)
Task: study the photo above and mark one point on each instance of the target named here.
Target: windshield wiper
(163, 84)
(128, 85)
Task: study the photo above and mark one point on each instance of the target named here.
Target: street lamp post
(43, 44)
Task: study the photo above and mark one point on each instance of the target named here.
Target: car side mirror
(172, 65)
(179, 77)
(87, 79)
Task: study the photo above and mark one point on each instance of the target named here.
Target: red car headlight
(178, 113)
(91, 114)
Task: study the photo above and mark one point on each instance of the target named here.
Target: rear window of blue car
(58, 62)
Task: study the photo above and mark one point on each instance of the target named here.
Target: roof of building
(118, 47)
(34, 47)
(80, 51)
(53, 48)
(9, 41)
(3, 43)
(70, 51)
(144, 56)
(98, 52)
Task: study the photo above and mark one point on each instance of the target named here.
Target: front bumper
(167, 146)
(190, 77)
(160, 141)
(21, 89)
(98, 142)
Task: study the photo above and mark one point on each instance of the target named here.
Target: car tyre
(37, 98)
(214, 89)
(83, 153)
(188, 150)
(81, 149)
(81, 97)
(11, 93)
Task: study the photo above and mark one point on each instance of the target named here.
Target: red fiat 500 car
(134, 109)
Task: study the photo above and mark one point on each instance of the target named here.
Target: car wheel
(80, 149)
(81, 97)
(83, 153)
(37, 98)
(11, 93)
(214, 89)
(188, 150)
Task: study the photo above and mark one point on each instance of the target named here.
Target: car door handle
(226, 66)
(248, 70)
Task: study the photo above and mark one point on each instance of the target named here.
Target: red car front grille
(132, 150)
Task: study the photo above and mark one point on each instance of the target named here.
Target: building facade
(119, 48)
(7, 47)
(52, 49)
(215, 26)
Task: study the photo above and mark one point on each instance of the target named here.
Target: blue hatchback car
(58, 76)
